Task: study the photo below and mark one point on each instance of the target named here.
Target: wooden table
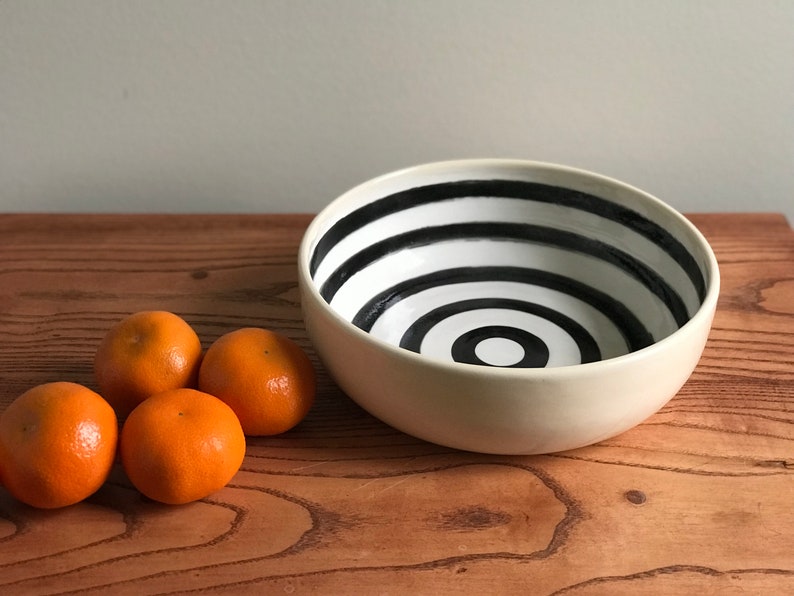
(698, 499)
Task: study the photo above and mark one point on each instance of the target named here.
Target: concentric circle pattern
(507, 273)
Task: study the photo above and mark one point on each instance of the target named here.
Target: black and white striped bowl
(506, 306)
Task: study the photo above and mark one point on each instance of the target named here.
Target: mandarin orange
(146, 353)
(181, 445)
(264, 376)
(57, 444)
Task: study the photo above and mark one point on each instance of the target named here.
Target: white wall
(280, 105)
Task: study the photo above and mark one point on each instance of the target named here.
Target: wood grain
(698, 499)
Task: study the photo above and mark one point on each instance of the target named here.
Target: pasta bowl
(506, 306)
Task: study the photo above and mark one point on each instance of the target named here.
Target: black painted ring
(536, 352)
(588, 347)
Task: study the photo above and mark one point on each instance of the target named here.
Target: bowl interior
(510, 267)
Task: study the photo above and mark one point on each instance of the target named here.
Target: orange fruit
(266, 378)
(57, 444)
(146, 353)
(181, 445)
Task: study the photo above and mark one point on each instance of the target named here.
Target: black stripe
(512, 189)
(415, 334)
(536, 352)
(510, 231)
(630, 327)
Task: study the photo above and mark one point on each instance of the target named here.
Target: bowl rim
(703, 315)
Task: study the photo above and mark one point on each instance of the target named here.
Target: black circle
(414, 336)
(536, 352)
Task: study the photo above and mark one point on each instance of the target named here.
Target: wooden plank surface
(698, 499)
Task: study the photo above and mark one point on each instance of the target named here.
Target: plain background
(281, 105)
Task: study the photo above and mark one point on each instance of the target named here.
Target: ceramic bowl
(505, 306)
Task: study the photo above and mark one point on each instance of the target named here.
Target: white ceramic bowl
(506, 306)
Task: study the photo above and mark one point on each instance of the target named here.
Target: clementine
(266, 378)
(57, 444)
(146, 353)
(181, 445)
